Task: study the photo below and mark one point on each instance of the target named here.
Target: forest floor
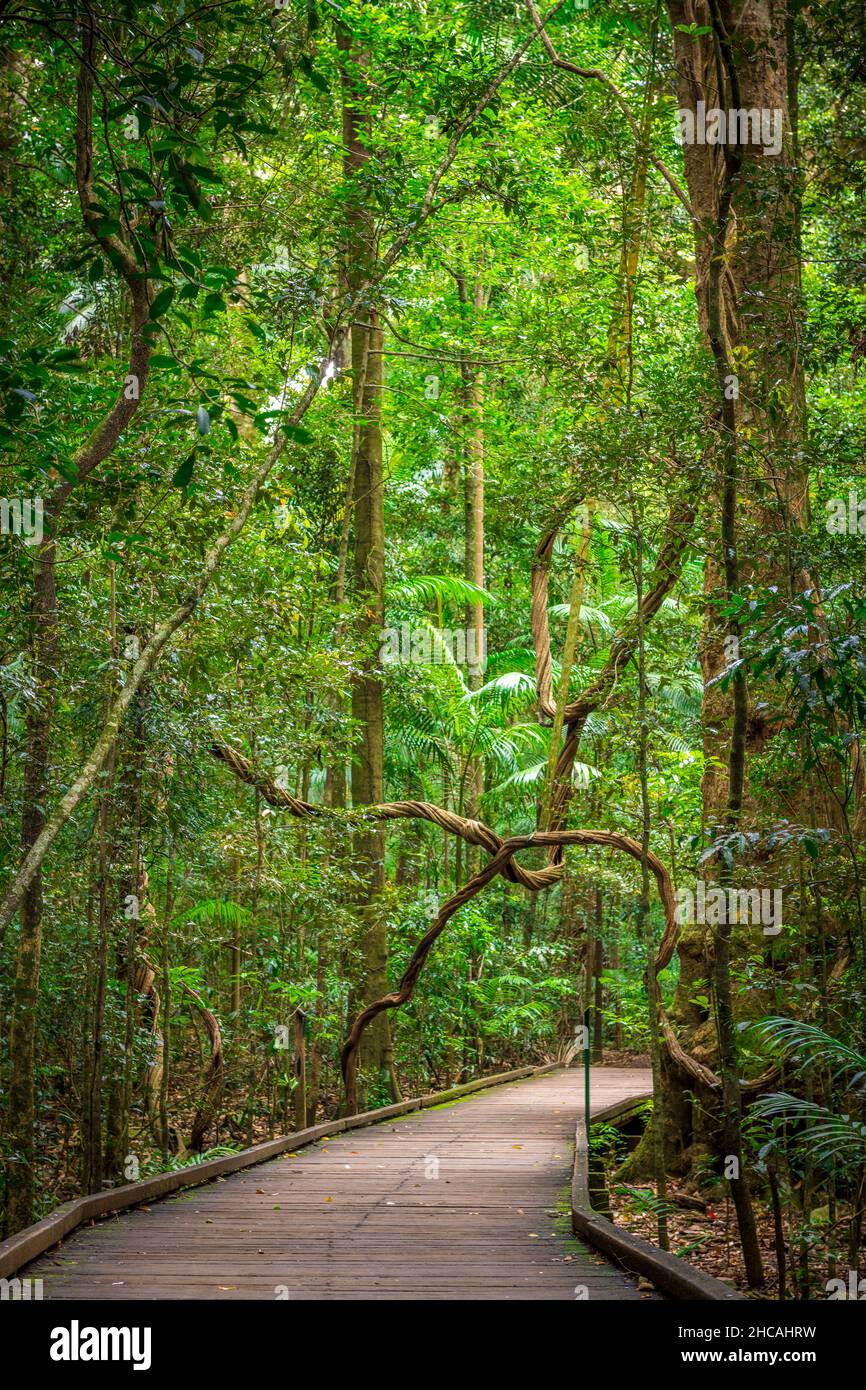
(704, 1232)
(702, 1228)
(706, 1238)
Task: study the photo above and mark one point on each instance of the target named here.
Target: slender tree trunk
(299, 1067)
(645, 928)
(26, 893)
(22, 1040)
(314, 1090)
(473, 552)
(615, 388)
(614, 965)
(376, 1061)
(165, 1079)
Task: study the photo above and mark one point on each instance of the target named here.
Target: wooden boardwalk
(464, 1201)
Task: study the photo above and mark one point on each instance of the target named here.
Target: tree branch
(597, 75)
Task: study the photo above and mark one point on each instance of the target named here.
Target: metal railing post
(586, 1070)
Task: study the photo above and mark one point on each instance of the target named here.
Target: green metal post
(586, 1069)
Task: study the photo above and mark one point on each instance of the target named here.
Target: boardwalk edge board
(34, 1240)
(674, 1276)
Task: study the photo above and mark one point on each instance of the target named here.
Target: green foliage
(833, 1138)
(217, 168)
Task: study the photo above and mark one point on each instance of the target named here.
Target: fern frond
(428, 588)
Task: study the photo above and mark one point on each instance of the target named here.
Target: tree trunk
(745, 200)
(168, 912)
(376, 1060)
(27, 894)
(22, 1041)
(473, 554)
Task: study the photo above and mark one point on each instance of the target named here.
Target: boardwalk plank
(464, 1201)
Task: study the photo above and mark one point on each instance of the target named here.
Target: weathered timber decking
(464, 1201)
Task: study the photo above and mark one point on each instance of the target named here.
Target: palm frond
(807, 1045)
(419, 730)
(584, 773)
(437, 660)
(590, 618)
(510, 692)
(674, 742)
(220, 911)
(532, 776)
(428, 588)
(503, 746)
(830, 1139)
(523, 779)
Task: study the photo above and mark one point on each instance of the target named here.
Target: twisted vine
(556, 839)
(502, 862)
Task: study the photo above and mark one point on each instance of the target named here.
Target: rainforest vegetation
(435, 406)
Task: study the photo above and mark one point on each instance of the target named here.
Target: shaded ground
(705, 1234)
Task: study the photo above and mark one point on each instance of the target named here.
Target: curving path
(464, 1201)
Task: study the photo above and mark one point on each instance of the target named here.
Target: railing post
(586, 1069)
(595, 1179)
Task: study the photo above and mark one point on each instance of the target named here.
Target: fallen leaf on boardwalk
(329, 1199)
(260, 1192)
(226, 1288)
(208, 1221)
(517, 1146)
(533, 1235)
